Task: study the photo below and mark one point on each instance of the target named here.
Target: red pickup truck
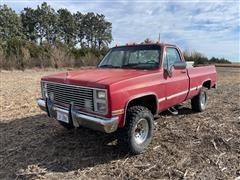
(131, 85)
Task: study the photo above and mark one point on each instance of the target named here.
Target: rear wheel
(199, 102)
(138, 131)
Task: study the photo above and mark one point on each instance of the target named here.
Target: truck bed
(200, 75)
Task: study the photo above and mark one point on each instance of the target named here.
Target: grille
(66, 94)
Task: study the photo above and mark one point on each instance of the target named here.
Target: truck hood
(95, 77)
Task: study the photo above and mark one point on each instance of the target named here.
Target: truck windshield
(132, 57)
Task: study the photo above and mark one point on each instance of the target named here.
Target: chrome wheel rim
(203, 99)
(141, 131)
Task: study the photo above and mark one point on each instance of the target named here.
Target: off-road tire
(136, 115)
(199, 102)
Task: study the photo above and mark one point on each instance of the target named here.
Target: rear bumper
(77, 118)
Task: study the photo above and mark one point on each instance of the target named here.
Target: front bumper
(77, 118)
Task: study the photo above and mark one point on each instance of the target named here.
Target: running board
(173, 111)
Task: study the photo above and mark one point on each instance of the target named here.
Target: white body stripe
(162, 99)
(194, 88)
(178, 94)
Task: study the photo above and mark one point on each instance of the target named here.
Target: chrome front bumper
(77, 118)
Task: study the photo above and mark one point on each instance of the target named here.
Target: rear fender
(207, 83)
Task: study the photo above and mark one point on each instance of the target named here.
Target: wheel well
(148, 101)
(207, 84)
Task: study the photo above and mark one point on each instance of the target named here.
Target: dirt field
(188, 146)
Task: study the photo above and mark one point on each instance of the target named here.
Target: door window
(171, 56)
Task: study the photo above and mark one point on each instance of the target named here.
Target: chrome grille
(66, 94)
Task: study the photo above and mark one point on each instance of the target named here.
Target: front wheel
(138, 131)
(199, 102)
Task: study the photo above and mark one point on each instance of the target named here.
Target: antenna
(159, 37)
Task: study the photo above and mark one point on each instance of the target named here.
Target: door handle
(183, 71)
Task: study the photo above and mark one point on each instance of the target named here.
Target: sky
(211, 27)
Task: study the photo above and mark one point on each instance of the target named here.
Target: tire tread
(196, 102)
(133, 114)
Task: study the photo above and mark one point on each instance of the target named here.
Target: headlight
(101, 107)
(100, 101)
(44, 90)
(101, 94)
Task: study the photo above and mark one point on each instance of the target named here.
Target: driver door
(176, 83)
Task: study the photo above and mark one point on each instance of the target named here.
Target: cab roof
(144, 44)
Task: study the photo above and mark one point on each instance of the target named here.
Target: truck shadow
(39, 140)
(42, 142)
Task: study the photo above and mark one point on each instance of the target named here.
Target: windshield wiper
(131, 65)
(140, 65)
(108, 66)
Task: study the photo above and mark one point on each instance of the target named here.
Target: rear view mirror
(180, 65)
(176, 65)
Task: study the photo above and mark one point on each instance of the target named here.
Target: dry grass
(188, 146)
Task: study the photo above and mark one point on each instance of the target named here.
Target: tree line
(199, 58)
(44, 37)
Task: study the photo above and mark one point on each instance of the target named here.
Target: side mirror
(176, 65)
(180, 65)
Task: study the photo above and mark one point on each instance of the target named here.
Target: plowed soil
(187, 146)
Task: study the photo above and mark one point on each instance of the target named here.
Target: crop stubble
(190, 145)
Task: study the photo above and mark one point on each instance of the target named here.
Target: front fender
(134, 97)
